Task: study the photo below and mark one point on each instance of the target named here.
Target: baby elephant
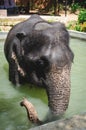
(38, 52)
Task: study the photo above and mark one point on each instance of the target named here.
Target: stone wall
(77, 122)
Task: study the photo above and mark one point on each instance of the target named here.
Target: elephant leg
(13, 73)
(58, 89)
(16, 73)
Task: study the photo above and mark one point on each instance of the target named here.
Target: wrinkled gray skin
(13, 44)
(42, 51)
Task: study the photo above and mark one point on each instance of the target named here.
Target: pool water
(14, 117)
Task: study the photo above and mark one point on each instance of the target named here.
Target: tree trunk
(49, 5)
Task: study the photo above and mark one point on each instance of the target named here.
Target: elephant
(38, 52)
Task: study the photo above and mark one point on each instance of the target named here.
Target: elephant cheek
(58, 89)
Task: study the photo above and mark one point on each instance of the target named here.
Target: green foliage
(77, 26)
(80, 25)
(82, 16)
(0, 29)
(71, 25)
(83, 27)
(74, 7)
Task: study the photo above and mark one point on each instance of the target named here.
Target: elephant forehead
(55, 52)
(42, 25)
(56, 55)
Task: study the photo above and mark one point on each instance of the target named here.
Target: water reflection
(14, 117)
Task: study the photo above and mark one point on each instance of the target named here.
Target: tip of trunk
(31, 111)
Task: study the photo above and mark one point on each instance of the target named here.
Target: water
(14, 117)
(78, 78)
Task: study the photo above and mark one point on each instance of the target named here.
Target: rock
(77, 122)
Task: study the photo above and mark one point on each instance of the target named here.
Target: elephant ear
(20, 35)
(42, 25)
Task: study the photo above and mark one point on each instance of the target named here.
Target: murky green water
(13, 116)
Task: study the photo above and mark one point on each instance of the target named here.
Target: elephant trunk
(31, 111)
(58, 88)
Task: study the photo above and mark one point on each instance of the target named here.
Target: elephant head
(48, 60)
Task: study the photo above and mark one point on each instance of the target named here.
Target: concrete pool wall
(77, 122)
(77, 34)
(3, 35)
(73, 34)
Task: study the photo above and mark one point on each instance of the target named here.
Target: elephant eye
(43, 63)
(40, 62)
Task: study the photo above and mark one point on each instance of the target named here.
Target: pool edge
(77, 34)
(72, 33)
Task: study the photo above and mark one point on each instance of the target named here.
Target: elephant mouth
(58, 89)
